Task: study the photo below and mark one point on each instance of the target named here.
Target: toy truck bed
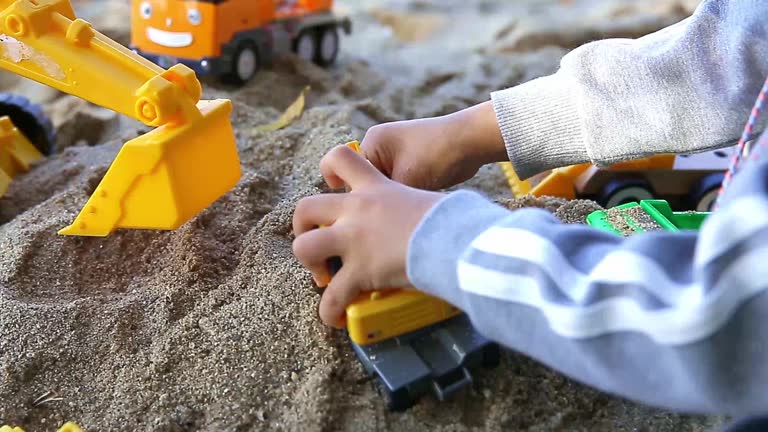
(647, 215)
(437, 359)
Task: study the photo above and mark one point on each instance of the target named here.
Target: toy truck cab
(232, 39)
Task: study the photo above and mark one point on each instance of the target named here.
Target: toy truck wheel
(398, 400)
(622, 191)
(30, 120)
(245, 65)
(491, 356)
(329, 46)
(305, 45)
(703, 196)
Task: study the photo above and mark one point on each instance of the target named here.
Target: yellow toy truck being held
(159, 180)
(414, 343)
(379, 315)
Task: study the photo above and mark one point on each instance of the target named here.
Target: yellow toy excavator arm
(43, 41)
(158, 180)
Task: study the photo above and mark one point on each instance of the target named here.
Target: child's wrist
(477, 135)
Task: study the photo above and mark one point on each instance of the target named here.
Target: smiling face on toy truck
(193, 32)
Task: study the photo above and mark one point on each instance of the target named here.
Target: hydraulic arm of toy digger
(158, 180)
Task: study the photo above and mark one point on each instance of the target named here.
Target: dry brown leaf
(293, 112)
(408, 27)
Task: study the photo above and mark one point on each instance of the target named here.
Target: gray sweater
(687, 87)
(674, 320)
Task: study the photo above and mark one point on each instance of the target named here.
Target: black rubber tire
(704, 190)
(313, 36)
(632, 187)
(31, 121)
(321, 58)
(491, 356)
(234, 75)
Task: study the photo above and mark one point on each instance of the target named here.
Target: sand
(213, 327)
(618, 218)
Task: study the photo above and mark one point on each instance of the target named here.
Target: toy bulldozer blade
(162, 179)
(159, 180)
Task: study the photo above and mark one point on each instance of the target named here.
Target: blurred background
(417, 58)
(404, 38)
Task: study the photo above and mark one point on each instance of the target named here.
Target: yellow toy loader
(26, 136)
(159, 180)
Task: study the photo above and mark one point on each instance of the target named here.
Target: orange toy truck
(686, 181)
(232, 39)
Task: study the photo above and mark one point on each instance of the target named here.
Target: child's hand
(369, 228)
(439, 152)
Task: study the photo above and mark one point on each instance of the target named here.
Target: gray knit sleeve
(685, 88)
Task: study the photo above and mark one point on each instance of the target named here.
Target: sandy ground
(213, 327)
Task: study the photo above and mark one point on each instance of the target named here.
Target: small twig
(46, 397)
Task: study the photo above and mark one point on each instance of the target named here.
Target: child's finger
(342, 166)
(316, 210)
(374, 155)
(341, 291)
(313, 249)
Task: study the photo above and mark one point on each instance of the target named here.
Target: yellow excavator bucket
(16, 153)
(162, 179)
(159, 180)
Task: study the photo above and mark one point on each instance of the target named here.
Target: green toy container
(646, 215)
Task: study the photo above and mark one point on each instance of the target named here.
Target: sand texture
(213, 327)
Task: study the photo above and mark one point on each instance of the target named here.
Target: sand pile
(213, 327)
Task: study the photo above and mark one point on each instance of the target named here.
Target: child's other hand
(369, 228)
(439, 152)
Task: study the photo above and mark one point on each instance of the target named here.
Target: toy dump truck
(232, 39)
(26, 137)
(646, 215)
(414, 343)
(159, 180)
(686, 181)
